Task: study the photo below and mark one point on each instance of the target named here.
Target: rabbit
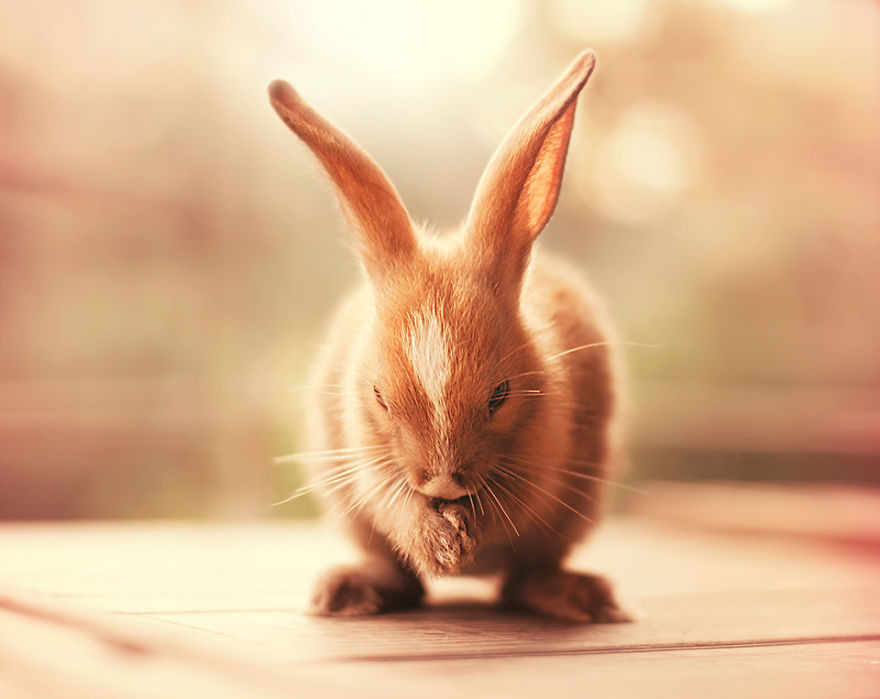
(469, 425)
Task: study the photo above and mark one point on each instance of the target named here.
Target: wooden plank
(217, 610)
(251, 582)
(816, 671)
(49, 655)
(71, 658)
(461, 630)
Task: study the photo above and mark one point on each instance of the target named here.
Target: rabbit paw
(446, 538)
(346, 592)
(565, 595)
(367, 589)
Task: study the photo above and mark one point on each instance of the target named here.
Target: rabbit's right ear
(369, 201)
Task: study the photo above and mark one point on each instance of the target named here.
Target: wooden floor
(182, 609)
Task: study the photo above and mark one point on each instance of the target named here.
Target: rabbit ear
(518, 191)
(369, 201)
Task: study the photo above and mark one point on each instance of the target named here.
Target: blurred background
(169, 257)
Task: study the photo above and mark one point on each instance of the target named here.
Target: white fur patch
(429, 353)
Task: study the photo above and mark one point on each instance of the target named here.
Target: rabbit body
(464, 399)
(570, 415)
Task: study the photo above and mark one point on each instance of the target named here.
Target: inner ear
(540, 192)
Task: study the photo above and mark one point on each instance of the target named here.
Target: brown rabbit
(468, 431)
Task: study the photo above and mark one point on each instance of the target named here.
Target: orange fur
(445, 484)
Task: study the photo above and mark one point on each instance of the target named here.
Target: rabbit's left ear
(518, 191)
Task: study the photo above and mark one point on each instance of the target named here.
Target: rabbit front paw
(446, 539)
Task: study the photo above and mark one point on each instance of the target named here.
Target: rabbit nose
(442, 486)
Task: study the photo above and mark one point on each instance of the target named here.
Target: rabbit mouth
(442, 502)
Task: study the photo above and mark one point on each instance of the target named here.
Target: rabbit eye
(499, 395)
(379, 398)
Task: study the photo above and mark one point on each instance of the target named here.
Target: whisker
(554, 497)
(573, 462)
(576, 474)
(339, 468)
(516, 349)
(341, 450)
(358, 504)
(567, 486)
(525, 373)
(530, 510)
(337, 480)
(493, 510)
(600, 344)
(376, 465)
(295, 496)
(480, 503)
(348, 467)
(328, 454)
(340, 478)
(401, 488)
(408, 497)
(501, 507)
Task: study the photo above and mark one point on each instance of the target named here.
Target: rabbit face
(456, 379)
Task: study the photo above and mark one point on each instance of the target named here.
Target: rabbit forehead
(443, 343)
(429, 351)
(451, 325)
